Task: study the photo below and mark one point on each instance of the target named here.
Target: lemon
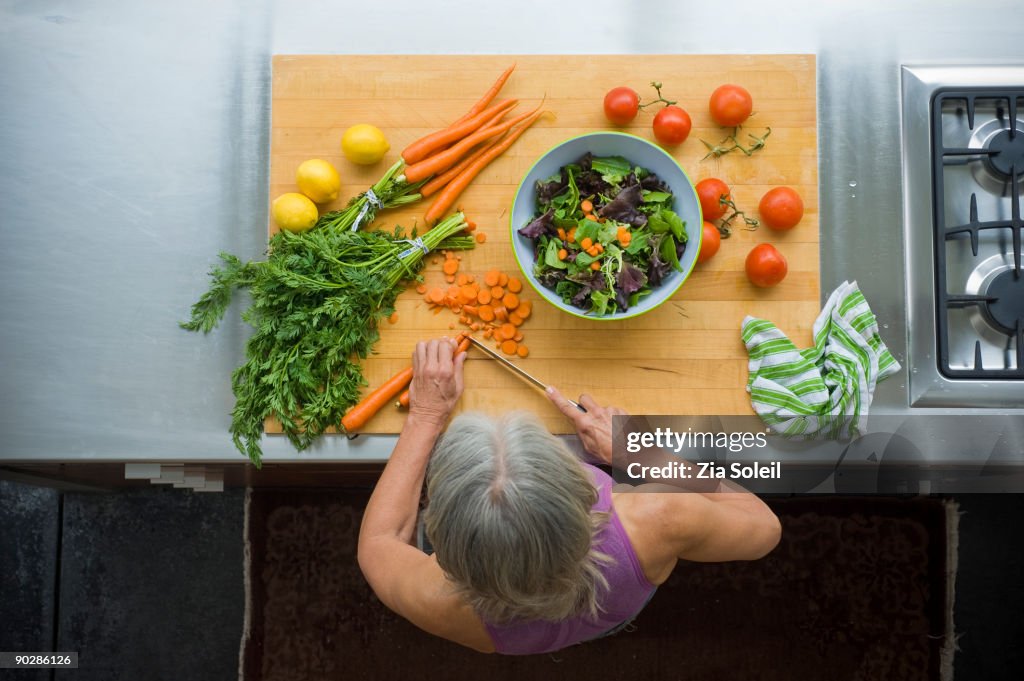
(318, 180)
(364, 144)
(294, 212)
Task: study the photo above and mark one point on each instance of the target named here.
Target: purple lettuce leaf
(624, 207)
(542, 224)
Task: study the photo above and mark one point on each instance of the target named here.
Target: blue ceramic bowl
(640, 153)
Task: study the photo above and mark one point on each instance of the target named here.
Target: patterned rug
(856, 590)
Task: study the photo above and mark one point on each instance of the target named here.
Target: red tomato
(730, 105)
(709, 243)
(709, 192)
(621, 105)
(781, 208)
(765, 266)
(672, 125)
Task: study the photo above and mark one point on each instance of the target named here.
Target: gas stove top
(977, 171)
(963, 143)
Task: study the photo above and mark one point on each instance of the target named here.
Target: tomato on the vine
(672, 125)
(781, 208)
(621, 105)
(730, 105)
(710, 193)
(710, 241)
(765, 266)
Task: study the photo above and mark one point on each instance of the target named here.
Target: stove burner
(1005, 308)
(1008, 153)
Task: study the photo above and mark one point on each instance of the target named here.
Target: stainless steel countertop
(135, 142)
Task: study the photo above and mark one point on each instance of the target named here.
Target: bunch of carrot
(451, 158)
(490, 304)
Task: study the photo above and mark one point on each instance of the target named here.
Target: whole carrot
(488, 96)
(439, 181)
(442, 161)
(403, 399)
(451, 192)
(423, 147)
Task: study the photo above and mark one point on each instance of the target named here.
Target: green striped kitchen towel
(824, 390)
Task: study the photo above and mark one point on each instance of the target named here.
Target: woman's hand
(594, 426)
(436, 380)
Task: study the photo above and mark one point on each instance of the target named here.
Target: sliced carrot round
(436, 294)
(422, 288)
(510, 301)
(483, 297)
(523, 351)
(451, 266)
(481, 237)
(491, 278)
(524, 309)
(514, 319)
(393, 318)
(509, 347)
(497, 292)
(514, 285)
(508, 330)
(486, 313)
(502, 279)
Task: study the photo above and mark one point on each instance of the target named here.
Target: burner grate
(1002, 304)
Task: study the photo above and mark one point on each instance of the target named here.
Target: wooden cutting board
(686, 357)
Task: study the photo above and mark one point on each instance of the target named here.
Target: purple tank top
(628, 592)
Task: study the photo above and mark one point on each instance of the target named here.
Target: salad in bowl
(608, 228)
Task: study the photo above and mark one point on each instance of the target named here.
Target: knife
(522, 374)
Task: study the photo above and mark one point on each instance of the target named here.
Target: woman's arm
(436, 387)
(404, 578)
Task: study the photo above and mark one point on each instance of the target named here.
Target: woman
(533, 550)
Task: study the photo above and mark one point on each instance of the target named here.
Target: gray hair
(509, 516)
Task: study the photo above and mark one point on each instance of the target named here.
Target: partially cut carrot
(425, 146)
(463, 338)
(358, 415)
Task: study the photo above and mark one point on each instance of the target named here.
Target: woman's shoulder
(655, 524)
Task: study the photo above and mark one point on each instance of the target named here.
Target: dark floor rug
(855, 590)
